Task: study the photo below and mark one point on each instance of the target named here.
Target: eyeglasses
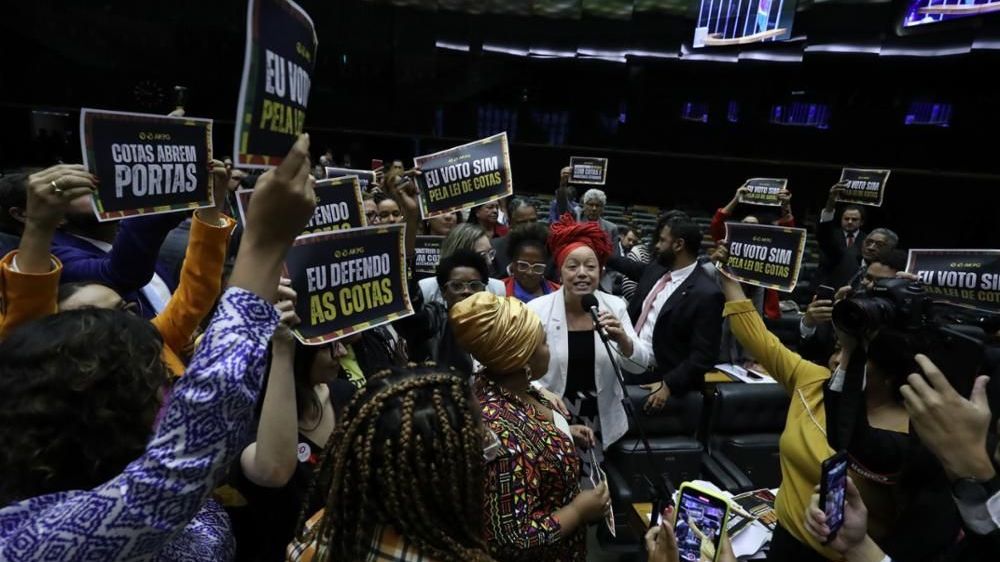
(488, 255)
(525, 267)
(462, 286)
(372, 216)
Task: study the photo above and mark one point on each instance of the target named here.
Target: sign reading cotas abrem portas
(348, 281)
(464, 176)
(763, 255)
(146, 164)
(968, 278)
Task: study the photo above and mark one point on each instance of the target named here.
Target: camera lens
(859, 315)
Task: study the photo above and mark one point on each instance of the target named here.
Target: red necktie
(850, 239)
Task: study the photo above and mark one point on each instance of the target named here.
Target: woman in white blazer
(580, 371)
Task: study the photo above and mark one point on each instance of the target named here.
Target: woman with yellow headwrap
(534, 507)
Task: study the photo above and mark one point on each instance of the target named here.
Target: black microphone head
(589, 301)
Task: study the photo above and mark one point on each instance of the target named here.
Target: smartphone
(825, 293)
(700, 523)
(833, 490)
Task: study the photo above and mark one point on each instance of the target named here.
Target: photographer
(956, 430)
(879, 333)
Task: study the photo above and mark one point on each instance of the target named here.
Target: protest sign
(864, 187)
(348, 281)
(428, 251)
(464, 176)
(146, 164)
(338, 205)
(277, 74)
(763, 191)
(968, 278)
(763, 255)
(366, 178)
(588, 171)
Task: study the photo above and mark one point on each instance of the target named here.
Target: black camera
(895, 303)
(952, 336)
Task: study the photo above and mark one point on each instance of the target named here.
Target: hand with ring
(49, 194)
(51, 191)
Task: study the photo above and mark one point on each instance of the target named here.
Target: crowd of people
(155, 405)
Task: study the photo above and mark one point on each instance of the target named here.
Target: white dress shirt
(677, 278)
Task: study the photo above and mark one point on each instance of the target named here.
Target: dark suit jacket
(686, 337)
(838, 264)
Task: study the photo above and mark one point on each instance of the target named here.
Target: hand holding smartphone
(700, 523)
(833, 491)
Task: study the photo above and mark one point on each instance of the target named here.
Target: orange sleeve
(26, 296)
(200, 283)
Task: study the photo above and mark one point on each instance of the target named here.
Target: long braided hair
(408, 456)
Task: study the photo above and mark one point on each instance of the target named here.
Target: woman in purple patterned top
(77, 390)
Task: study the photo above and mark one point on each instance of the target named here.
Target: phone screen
(700, 521)
(834, 488)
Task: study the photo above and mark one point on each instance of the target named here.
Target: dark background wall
(384, 89)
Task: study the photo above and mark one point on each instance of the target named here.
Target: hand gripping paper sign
(277, 75)
(764, 256)
(348, 281)
(969, 278)
(338, 205)
(146, 164)
(763, 191)
(464, 176)
(863, 187)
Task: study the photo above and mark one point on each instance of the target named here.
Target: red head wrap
(568, 235)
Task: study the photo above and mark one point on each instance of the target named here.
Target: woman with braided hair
(405, 473)
(534, 507)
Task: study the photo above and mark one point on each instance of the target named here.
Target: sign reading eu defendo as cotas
(348, 281)
(763, 255)
(338, 205)
(464, 176)
(277, 75)
(146, 164)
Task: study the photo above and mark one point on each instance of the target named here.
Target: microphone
(589, 304)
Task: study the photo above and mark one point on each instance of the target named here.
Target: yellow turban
(500, 332)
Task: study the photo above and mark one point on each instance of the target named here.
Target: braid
(408, 432)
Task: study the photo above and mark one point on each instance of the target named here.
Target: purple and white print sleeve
(135, 515)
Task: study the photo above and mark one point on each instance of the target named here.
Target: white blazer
(432, 293)
(551, 309)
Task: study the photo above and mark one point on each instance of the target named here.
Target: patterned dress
(156, 508)
(536, 473)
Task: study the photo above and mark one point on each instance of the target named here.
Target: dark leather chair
(677, 453)
(742, 438)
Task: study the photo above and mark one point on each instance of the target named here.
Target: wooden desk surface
(715, 377)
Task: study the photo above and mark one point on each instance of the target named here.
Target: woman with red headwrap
(580, 371)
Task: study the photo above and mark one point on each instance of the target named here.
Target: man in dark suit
(846, 250)
(678, 310)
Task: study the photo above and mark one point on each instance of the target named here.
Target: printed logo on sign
(303, 452)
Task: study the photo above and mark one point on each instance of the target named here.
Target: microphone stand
(662, 490)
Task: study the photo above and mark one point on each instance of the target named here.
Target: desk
(639, 517)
